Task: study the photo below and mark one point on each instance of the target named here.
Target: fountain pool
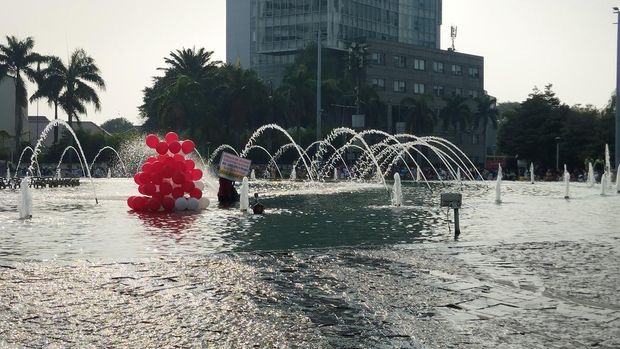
(67, 225)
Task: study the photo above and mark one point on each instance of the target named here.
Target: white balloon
(192, 204)
(199, 184)
(203, 203)
(180, 204)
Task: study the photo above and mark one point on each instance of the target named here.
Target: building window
(419, 64)
(458, 91)
(418, 89)
(377, 58)
(474, 73)
(473, 94)
(438, 67)
(457, 69)
(400, 86)
(438, 90)
(400, 61)
(378, 83)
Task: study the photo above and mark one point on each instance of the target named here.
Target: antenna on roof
(453, 36)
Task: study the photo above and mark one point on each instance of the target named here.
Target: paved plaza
(529, 295)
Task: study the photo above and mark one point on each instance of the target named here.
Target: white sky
(570, 43)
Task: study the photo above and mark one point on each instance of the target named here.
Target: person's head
(256, 195)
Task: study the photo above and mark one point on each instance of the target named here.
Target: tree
(486, 110)
(50, 84)
(77, 77)
(17, 58)
(117, 125)
(456, 113)
(419, 110)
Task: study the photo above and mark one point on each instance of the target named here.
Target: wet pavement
(440, 295)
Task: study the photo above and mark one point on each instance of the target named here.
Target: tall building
(7, 115)
(264, 35)
(404, 58)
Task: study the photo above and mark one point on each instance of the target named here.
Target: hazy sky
(570, 43)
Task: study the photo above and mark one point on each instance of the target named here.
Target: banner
(233, 167)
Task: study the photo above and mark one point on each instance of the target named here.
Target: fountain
(109, 173)
(566, 183)
(618, 180)
(44, 134)
(293, 174)
(20, 161)
(335, 174)
(458, 175)
(590, 175)
(604, 184)
(531, 172)
(244, 196)
(607, 161)
(397, 191)
(117, 156)
(253, 175)
(8, 173)
(25, 199)
(62, 156)
(498, 186)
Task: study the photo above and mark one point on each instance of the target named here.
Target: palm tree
(420, 110)
(50, 84)
(486, 111)
(17, 58)
(456, 113)
(180, 98)
(77, 79)
(299, 85)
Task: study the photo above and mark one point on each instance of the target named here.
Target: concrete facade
(238, 32)
(399, 70)
(7, 115)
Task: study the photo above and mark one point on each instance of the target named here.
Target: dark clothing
(227, 194)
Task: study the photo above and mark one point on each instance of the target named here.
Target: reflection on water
(67, 225)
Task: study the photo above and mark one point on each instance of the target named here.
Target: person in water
(227, 194)
(257, 207)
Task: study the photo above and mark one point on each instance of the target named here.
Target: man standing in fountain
(227, 195)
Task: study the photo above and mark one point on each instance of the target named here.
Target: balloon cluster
(169, 181)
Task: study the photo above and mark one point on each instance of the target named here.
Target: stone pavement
(532, 295)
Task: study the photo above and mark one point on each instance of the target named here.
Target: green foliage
(117, 125)
(17, 59)
(530, 131)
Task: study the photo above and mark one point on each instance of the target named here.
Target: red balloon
(153, 204)
(149, 189)
(188, 186)
(178, 157)
(156, 178)
(157, 195)
(141, 189)
(165, 188)
(162, 158)
(167, 171)
(177, 192)
(162, 148)
(136, 178)
(187, 146)
(179, 166)
(139, 202)
(147, 167)
(145, 178)
(157, 166)
(189, 164)
(178, 177)
(168, 203)
(196, 193)
(171, 137)
(196, 174)
(174, 147)
(130, 201)
(151, 159)
(152, 140)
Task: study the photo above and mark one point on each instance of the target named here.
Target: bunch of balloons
(169, 182)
